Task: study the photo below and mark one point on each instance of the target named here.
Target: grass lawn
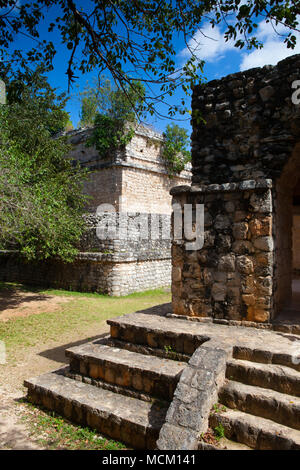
(35, 344)
(81, 312)
(56, 433)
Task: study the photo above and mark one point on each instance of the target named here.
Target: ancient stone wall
(251, 127)
(246, 164)
(231, 276)
(90, 272)
(135, 187)
(134, 179)
(135, 257)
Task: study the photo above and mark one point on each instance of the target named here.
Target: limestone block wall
(128, 236)
(104, 187)
(134, 179)
(128, 278)
(145, 183)
(231, 276)
(135, 183)
(91, 272)
(115, 266)
(251, 127)
(88, 273)
(147, 191)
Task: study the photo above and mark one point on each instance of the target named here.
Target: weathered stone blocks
(244, 265)
(244, 171)
(231, 274)
(227, 263)
(133, 181)
(194, 396)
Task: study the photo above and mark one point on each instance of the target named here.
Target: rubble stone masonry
(245, 166)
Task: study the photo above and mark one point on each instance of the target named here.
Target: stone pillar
(231, 276)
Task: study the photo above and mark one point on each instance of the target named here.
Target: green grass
(219, 432)
(12, 286)
(9, 286)
(218, 408)
(79, 314)
(54, 432)
(95, 295)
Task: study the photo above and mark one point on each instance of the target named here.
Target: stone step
(255, 432)
(113, 388)
(270, 353)
(153, 375)
(223, 444)
(134, 422)
(279, 378)
(266, 403)
(146, 350)
(183, 336)
(173, 336)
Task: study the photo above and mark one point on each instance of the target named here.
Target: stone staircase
(262, 405)
(123, 385)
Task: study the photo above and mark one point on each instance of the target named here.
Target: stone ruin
(132, 182)
(246, 172)
(161, 381)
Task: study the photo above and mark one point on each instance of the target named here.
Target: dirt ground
(16, 303)
(13, 433)
(45, 352)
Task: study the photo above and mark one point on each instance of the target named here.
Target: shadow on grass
(12, 297)
(64, 433)
(160, 310)
(58, 354)
(6, 287)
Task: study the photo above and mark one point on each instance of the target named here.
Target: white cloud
(274, 48)
(270, 54)
(208, 44)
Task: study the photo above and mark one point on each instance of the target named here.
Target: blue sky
(221, 57)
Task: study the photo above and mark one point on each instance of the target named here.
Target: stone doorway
(290, 306)
(292, 311)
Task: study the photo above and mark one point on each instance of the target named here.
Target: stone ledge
(258, 345)
(128, 419)
(97, 257)
(136, 166)
(281, 327)
(256, 432)
(117, 258)
(247, 185)
(148, 132)
(195, 394)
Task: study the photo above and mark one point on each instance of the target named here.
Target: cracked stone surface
(273, 346)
